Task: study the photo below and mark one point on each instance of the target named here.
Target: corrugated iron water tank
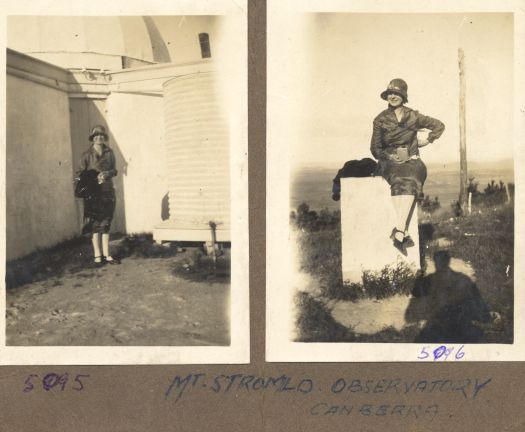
(198, 160)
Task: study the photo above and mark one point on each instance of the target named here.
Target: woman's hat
(98, 130)
(398, 87)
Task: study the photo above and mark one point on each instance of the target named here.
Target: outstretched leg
(404, 206)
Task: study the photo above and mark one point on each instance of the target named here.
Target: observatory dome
(109, 42)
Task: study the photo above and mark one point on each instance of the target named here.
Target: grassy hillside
(483, 240)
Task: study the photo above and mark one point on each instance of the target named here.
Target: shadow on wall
(86, 113)
(160, 50)
(119, 220)
(165, 207)
(451, 305)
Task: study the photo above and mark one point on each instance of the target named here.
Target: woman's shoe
(98, 262)
(110, 260)
(408, 242)
(398, 244)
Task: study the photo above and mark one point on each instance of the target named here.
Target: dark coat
(388, 133)
(99, 199)
(405, 177)
(354, 168)
(105, 163)
(86, 184)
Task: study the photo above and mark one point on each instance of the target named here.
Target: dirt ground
(369, 316)
(145, 301)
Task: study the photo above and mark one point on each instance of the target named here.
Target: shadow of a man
(450, 303)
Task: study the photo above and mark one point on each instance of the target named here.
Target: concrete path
(371, 316)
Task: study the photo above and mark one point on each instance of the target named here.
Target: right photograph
(398, 166)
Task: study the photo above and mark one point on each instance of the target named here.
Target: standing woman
(98, 162)
(396, 146)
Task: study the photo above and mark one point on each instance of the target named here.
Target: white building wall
(136, 125)
(50, 112)
(181, 35)
(197, 142)
(40, 207)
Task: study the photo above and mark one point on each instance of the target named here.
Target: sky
(349, 59)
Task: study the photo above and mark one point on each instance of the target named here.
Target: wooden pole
(212, 248)
(463, 185)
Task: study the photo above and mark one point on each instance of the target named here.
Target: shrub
(387, 282)
(494, 194)
(428, 205)
(309, 220)
(314, 323)
(486, 241)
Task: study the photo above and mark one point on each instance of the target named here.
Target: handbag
(402, 154)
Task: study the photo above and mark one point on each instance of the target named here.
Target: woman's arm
(376, 144)
(112, 172)
(436, 127)
(82, 165)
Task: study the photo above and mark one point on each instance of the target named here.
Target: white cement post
(367, 219)
(507, 192)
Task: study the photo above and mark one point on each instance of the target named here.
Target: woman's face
(99, 139)
(394, 100)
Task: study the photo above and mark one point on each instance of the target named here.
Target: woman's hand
(422, 142)
(394, 157)
(101, 178)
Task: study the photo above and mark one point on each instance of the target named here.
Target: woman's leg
(105, 249)
(95, 240)
(105, 244)
(404, 207)
(406, 181)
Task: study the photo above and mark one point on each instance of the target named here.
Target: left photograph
(126, 188)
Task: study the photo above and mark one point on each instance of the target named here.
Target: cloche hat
(398, 87)
(98, 130)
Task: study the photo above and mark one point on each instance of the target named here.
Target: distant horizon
(505, 162)
(313, 184)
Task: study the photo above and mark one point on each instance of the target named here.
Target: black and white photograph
(394, 139)
(126, 185)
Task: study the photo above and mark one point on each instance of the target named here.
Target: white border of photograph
(239, 349)
(285, 35)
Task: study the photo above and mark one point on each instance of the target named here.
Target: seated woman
(99, 206)
(396, 146)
